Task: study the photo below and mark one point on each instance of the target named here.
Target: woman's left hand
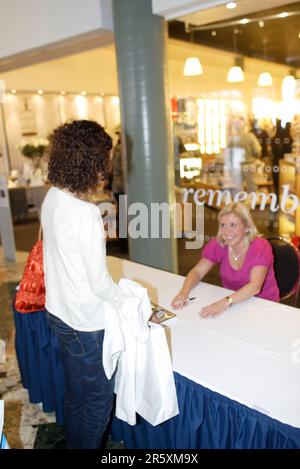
(214, 309)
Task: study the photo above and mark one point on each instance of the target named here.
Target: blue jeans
(88, 393)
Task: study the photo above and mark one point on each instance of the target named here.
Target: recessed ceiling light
(214, 33)
(231, 5)
(244, 21)
(40, 92)
(261, 23)
(284, 14)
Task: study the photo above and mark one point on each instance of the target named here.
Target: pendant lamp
(192, 67)
(265, 78)
(288, 87)
(235, 73)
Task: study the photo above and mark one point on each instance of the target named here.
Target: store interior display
(289, 175)
(295, 132)
(212, 156)
(203, 112)
(30, 117)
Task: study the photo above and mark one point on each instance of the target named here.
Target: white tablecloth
(250, 353)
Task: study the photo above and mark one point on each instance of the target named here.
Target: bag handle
(40, 235)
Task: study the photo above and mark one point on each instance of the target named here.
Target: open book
(160, 314)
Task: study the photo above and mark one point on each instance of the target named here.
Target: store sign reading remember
(288, 202)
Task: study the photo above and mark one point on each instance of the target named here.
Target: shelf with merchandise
(289, 174)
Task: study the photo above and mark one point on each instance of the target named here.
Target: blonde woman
(246, 262)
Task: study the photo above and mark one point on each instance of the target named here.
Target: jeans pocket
(67, 336)
(71, 342)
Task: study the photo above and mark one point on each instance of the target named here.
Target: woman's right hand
(180, 301)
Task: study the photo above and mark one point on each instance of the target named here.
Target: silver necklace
(236, 257)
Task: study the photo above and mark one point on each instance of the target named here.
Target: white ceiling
(221, 13)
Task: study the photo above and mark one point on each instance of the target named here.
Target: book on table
(160, 314)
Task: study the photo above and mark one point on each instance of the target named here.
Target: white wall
(174, 8)
(27, 24)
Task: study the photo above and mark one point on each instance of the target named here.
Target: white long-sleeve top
(76, 278)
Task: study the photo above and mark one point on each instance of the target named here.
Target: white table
(250, 353)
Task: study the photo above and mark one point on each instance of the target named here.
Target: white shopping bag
(156, 399)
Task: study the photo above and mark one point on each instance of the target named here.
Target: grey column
(140, 39)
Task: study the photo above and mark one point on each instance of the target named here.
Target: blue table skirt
(39, 363)
(208, 420)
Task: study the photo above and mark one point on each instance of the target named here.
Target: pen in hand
(178, 302)
(188, 300)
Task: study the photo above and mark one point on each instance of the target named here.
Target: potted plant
(33, 150)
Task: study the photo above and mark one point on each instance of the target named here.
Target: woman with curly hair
(76, 278)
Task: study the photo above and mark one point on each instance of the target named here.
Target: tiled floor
(22, 419)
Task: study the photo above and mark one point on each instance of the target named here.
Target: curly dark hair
(79, 156)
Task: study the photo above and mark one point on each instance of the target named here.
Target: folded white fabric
(132, 319)
(113, 344)
(126, 343)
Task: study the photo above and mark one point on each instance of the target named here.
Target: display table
(24, 197)
(237, 375)
(36, 194)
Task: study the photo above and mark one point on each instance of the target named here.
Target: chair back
(286, 266)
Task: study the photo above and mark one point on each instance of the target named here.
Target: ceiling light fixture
(284, 14)
(231, 5)
(265, 78)
(288, 86)
(235, 73)
(192, 66)
(40, 92)
(245, 21)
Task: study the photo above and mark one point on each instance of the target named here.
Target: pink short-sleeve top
(259, 253)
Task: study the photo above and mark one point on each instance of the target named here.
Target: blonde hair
(241, 211)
